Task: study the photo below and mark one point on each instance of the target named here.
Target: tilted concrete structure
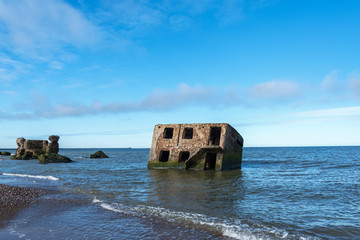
(202, 146)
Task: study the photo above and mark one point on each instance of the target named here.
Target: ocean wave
(95, 200)
(235, 230)
(32, 176)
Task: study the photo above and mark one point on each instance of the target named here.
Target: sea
(280, 193)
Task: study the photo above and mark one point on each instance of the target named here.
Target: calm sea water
(280, 193)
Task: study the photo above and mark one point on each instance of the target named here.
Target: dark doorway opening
(215, 133)
(168, 133)
(184, 156)
(210, 161)
(188, 133)
(164, 156)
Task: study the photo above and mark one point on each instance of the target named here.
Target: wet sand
(13, 199)
(32, 213)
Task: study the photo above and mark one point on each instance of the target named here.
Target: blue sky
(103, 73)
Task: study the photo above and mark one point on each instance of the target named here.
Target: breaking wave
(235, 230)
(32, 176)
(95, 200)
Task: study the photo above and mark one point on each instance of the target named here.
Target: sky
(104, 73)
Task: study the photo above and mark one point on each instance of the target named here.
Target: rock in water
(53, 158)
(3, 153)
(33, 149)
(99, 154)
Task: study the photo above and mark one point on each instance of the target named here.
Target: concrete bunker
(202, 146)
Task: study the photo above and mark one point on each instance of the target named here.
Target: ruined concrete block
(29, 149)
(216, 146)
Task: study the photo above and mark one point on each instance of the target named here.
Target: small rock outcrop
(53, 158)
(39, 149)
(3, 153)
(99, 154)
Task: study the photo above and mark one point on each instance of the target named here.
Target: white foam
(239, 231)
(109, 207)
(233, 228)
(19, 235)
(95, 200)
(32, 176)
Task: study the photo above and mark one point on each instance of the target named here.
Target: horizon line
(243, 147)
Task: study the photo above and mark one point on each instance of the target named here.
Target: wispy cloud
(306, 117)
(340, 87)
(134, 16)
(106, 133)
(10, 93)
(231, 11)
(330, 82)
(354, 83)
(56, 65)
(38, 28)
(37, 31)
(345, 113)
(6, 75)
(275, 91)
(256, 4)
(10, 69)
(158, 100)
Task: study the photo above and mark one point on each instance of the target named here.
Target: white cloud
(11, 93)
(37, 28)
(353, 80)
(179, 22)
(319, 116)
(56, 65)
(158, 100)
(10, 69)
(275, 90)
(141, 16)
(331, 113)
(230, 11)
(330, 81)
(256, 4)
(6, 75)
(131, 15)
(46, 30)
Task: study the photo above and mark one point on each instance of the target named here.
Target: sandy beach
(13, 199)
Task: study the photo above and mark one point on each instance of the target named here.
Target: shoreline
(36, 213)
(13, 199)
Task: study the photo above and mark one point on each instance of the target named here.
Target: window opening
(184, 156)
(215, 135)
(168, 133)
(188, 133)
(164, 156)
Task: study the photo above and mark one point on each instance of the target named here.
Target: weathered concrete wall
(28, 149)
(201, 134)
(233, 149)
(201, 143)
